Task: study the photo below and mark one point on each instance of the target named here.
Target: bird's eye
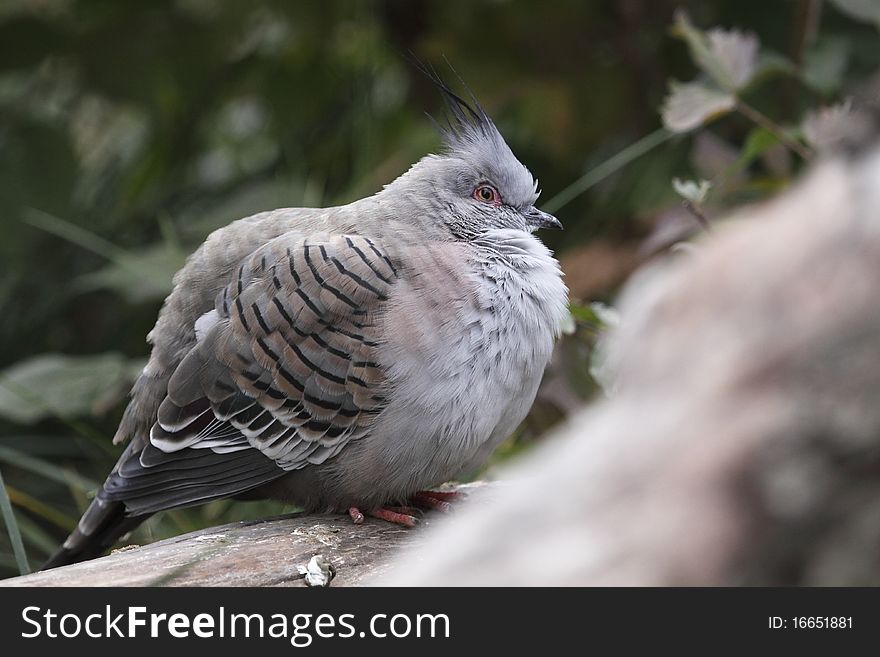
(487, 194)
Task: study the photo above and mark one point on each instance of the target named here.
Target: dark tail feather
(147, 480)
(102, 524)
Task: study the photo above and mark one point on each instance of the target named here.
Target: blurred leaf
(198, 220)
(758, 142)
(825, 63)
(863, 10)
(825, 127)
(142, 276)
(58, 385)
(737, 52)
(770, 64)
(727, 56)
(690, 105)
(138, 277)
(599, 315)
(584, 314)
(46, 469)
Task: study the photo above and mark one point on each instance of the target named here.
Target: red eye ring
(487, 194)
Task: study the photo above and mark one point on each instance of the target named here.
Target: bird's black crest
(464, 122)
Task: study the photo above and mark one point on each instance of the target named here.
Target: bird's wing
(284, 373)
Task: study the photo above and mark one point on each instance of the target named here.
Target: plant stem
(812, 18)
(698, 213)
(598, 173)
(771, 126)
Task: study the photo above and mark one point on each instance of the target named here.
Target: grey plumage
(345, 356)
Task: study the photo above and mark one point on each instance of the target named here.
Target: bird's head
(476, 183)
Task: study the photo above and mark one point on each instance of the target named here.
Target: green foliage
(55, 385)
(733, 64)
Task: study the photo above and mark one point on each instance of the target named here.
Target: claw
(356, 516)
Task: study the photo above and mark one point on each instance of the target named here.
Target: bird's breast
(468, 337)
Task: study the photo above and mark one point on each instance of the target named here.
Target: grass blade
(35, 506)
(35, 537)
(46, 469)
(75, 234)
(12, 528)
(599, 173)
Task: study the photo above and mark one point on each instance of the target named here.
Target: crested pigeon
(345, 358)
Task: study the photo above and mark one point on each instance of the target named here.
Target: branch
(253, 553)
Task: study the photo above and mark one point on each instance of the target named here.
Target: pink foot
(435, 499)
(406, 510)
(396, 515)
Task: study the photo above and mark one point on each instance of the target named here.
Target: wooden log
(268, 552)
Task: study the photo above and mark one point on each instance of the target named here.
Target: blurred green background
(130, 130)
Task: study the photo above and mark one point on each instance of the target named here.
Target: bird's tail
(103, 523)
(147, 480)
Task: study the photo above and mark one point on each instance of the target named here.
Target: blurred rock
(743, 445)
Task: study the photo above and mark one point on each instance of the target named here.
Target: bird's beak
(538, 219)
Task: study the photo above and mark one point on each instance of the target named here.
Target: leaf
(737, 52)
(597, 314)
(62, 386)
(690, 105)
(827, 126)
(770, 64)
(138, 277)
(727, 56)
(46, 469)
(758, 142)
(691, 190)
(584, 314)
(862, 10)
(141, 276)
(825, 63)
